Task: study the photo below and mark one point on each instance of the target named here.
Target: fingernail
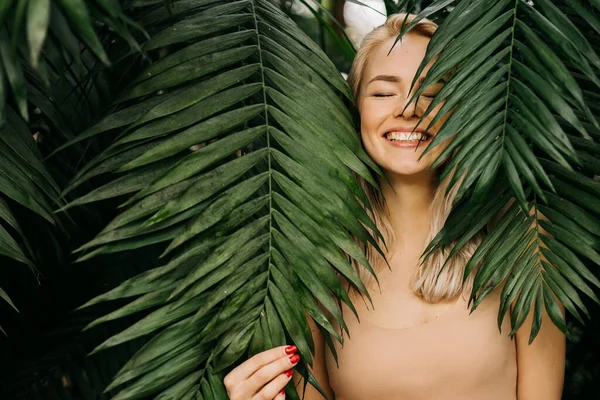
(294, 359)
(290, 350)
(288, 373)
(282, 391)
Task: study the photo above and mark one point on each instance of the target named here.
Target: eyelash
(391, 94)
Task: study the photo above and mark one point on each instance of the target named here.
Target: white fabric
(361, 20)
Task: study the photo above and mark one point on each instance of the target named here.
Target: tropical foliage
(44, 69)
(236, 168)
(524, 130)
(201, 158)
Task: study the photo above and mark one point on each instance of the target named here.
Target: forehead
(403, 60)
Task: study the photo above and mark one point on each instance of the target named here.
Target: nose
(404, 110)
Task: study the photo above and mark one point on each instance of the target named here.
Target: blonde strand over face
(436, 279)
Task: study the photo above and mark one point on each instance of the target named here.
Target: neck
(408, 200)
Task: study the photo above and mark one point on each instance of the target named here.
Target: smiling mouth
(407, 137)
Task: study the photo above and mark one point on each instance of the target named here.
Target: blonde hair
(437, 278)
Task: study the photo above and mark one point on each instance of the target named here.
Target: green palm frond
(24, 182)
(408, 6)
(243, 169)
(333, 26)
(48, 73)
(523, 90)
(36, 34)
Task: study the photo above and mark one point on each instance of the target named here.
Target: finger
(280, 395)
(270, 371)
(249, 367)
(273, 389)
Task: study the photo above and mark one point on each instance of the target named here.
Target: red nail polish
(290, 350)
(282, 391)
(288, 373)
(294, 359)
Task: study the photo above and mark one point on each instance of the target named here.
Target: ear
(360, 20)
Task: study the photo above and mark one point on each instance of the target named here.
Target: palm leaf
(244, 171)
(324, 17)
(45, 70)
(538, 136)
(25, 182)
(54, 91)
(27, 28)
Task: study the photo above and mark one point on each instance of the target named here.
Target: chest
(407, 346)
(401, 309)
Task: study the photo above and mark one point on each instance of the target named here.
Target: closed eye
(383, 94)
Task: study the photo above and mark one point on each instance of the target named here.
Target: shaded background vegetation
(44, 350)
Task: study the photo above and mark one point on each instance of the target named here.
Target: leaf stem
(510, 59)
(262, 73)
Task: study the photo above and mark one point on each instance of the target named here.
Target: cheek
(367, 139)
(372, 115)
(367, 123)
(437, 151)
(435, 129)
(368, 135)
(440, 122)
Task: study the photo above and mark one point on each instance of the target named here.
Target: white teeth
(406, 136)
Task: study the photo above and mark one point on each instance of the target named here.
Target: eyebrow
(386, 78)
(396, 79)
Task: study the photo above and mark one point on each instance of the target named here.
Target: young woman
(419, 341)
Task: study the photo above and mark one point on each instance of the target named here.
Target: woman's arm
(541, 364)
(319, 369)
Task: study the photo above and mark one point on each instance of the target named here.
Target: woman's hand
(264, 376)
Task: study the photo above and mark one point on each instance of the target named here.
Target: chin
(404, 161)
(407, 169)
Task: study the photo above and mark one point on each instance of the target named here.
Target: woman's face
(386, 125)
